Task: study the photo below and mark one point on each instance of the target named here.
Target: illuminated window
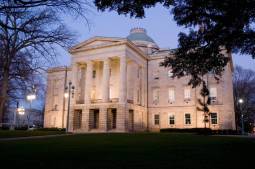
(187, 92)
(213, 94)
(171, 95)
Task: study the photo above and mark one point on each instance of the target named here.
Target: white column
(75, 68)
(142, 86)
(123, 80)
(106, 78)
(88, 82)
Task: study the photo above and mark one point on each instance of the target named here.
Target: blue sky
(158, 23)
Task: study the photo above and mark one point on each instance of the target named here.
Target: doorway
(93, 118)
(77, 119)
(111, 119)
(131, 120)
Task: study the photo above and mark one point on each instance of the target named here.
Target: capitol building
(119, 86)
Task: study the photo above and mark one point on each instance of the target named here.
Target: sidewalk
(239, 136)
(33, 137)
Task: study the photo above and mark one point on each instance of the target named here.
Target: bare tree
(244, 87)
(73, 7)
(28, 46)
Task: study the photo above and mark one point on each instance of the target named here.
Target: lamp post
(68, 91)
(20, 111)
(240, 101)
(30, 98)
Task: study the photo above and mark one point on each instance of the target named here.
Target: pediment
(95, 42)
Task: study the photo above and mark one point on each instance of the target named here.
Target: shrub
(51, 129)
(202, 131)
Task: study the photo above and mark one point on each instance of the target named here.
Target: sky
(158, 22)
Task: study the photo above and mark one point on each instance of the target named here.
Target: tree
(76, 7)
(24, 53)
(215, 28)
(244, 87)
(29, 32)
(204, 103)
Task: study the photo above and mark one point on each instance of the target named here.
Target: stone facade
(120, 87)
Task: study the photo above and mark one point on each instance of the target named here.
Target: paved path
(239, 136)
(34, 137)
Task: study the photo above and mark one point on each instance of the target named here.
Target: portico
(101, 91)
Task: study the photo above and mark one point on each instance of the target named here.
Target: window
(171, 95)
(171, 120)
(156, 119)
(170, 74)
(213, 94)
(187, 118)
(94, 74)
(187, 93)
(214, 118)
(156, 74)
(155, 96)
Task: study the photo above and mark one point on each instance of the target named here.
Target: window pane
(171, 95)
(213, 92)
(187, 93)
(156, 119)
(214, 118)
(187, 119)
(171, 120)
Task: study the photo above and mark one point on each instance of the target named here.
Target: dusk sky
(158, 23)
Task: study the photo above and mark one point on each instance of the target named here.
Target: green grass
(129, 151)
(25, 133)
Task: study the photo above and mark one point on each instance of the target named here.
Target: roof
(139, 34)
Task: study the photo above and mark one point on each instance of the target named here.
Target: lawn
(129, 151)
(25, 133)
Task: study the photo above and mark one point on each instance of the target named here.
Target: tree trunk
(3, 92)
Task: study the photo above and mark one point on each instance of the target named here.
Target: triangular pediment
(95, 42)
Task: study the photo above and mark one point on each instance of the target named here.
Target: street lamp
(68, 91)
(30, 98)
(20, 111)
(240, 101)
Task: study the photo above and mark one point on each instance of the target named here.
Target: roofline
(59, 69)
(122, 41)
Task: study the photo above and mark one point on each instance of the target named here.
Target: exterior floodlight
(66, 95)
(240, 100)
(21, 111)
(31, 97)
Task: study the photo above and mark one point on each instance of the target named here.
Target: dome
(139, 34)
